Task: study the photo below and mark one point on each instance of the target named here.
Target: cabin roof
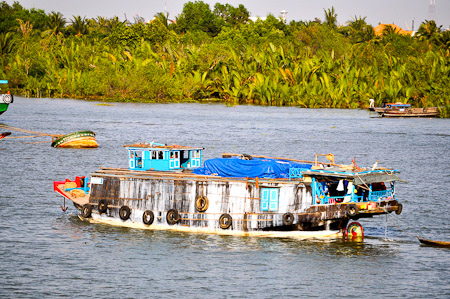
(359, 178)
(161, 146)
(398, 105)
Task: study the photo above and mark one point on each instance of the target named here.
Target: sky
(400, 12)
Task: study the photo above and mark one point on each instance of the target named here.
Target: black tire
(202, 204)
(86, 210)
(225, 221)
(124, 213)
(148, 217)
(399, 209)
(352, 210)
(288, 219)
(102, 206)
(172, 216)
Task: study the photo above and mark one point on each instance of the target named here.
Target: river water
(45, 252)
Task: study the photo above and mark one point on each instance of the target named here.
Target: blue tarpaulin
(257, 167)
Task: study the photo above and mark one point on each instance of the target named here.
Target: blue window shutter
(265, 199)
(273, 200)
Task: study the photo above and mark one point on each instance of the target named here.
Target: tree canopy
(219, 54)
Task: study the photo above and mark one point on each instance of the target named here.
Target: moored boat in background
(165, 188)
(79, 139)
(5, 99)
(404, 110)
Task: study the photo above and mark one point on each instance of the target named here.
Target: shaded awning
(358, 178)
(376, 178)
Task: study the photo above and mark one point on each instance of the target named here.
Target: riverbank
(267, 62)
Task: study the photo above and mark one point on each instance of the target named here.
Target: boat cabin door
(174, 159)
(195, 158)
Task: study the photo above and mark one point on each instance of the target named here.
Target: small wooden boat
(434, 243)
(79, 139)
(5, 99)
(4, 134)
(404, 110)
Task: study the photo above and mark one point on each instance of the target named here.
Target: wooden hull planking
(239, 198)
(409, 112)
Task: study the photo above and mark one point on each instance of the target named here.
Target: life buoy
(172, 216)
(102, 206)
(202, 204)
(352, 210)
(354, 232)
(225, 221)
(86, 210)
(288, 218)
(148, 217)
(399, 209)
(124, 213)
(7, 98)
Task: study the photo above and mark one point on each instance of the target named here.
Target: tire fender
(124, 213)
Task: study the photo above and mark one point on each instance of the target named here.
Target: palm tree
(25, 27)
(6, 45)
(79, 26)
(330, 17)
(163, 17)
(445, 39)
(111, 23)
(389, 30)
(429, 31)
(359, 30)
(56, 22)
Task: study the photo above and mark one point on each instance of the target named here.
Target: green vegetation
(220, 55)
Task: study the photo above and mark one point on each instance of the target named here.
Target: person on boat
(372, 103)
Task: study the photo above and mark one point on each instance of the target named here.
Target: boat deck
(77, 197)
(177, 175)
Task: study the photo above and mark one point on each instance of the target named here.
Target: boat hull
(3, 108)
(445, 244)
(121, 197)
(80, 139)
(407, 112)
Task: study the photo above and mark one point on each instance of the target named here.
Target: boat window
(160, 155)
(378, 186)
(269, 199)
(176, 155)
(154, 155)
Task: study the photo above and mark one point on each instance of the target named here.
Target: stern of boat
(77, 190)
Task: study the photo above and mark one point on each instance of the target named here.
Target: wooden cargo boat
(165, 188)
(404, 110)
(434, 243)
(5, 99)
(80, 139)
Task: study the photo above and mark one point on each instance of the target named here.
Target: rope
(397, 226)
(28, 131)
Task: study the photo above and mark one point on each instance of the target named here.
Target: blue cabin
(398, 106)
(157, 156)
(331, 187)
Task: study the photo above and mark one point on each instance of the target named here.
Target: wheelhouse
(157, 156)
(331, 187)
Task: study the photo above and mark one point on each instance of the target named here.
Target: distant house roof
(380, 28)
